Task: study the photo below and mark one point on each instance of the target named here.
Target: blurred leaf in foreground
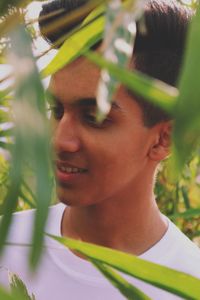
(31, 139)
(152, 90)
(18, 288)
(187, 120)
(173, 281)
(118, 44)
(127, 289)
(4, 295)
(78, 43)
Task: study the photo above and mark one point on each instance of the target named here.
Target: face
(95, 162)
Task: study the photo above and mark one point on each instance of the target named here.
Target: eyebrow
(83, 102)
(92, 102)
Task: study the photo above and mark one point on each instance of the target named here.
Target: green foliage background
(28, 169)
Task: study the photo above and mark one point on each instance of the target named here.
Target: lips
(70, 170)
(66, 172)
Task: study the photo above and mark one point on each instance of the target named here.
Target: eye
(57, 111)
(89, 117)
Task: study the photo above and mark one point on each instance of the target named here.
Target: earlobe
(160, 148)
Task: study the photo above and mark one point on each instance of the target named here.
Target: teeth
(70, 170)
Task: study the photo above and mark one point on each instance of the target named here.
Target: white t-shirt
(64, 276)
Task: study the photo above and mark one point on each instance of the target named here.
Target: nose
(66, 137)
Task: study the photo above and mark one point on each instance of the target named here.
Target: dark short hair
(157, 53)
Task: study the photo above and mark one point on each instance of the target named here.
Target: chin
(74, 201)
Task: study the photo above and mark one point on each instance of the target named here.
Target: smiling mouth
(71, 170)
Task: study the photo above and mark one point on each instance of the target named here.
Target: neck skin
(131, 222)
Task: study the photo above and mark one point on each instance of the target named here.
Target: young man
(105, 172)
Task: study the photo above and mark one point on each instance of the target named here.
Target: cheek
(117, 151)
(118, 162)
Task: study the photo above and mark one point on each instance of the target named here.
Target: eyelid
(87, 114)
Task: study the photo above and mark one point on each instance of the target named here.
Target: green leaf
(150, 89)
(26, 199)
(116, 29)
(6, 146)
(18, 287)
(187, 121)
(126, 289)
(4, 117)
(28, 191)
(188, 214)
(10, 202)
(43, 196)
(6, 132)
(185, 197)
(77, 44)
(31, 140)
(4, 295)
(162, 277)
(4, 94)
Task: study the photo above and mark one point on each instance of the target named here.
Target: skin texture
(111, 203)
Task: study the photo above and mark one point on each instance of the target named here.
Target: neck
(132, 224)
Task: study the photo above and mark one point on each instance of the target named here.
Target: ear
(160, 147)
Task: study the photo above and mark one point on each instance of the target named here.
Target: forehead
(76, 80)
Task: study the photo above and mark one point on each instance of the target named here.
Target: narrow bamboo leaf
(6, 132)
(43, 196)
(189, 213)
(150, 89)
(11, 199)
(32, 124)
(162, 277)
(26, 200)
(4, 116)
(119, 39)
(31, 139)
(187, 122)
(18, 288)
(185, 197)
(76, 45)
(96, 12)
(126, 289)
(117, 47)
(4, 94)
(29, 190)
(6, 146)
(195, 234)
